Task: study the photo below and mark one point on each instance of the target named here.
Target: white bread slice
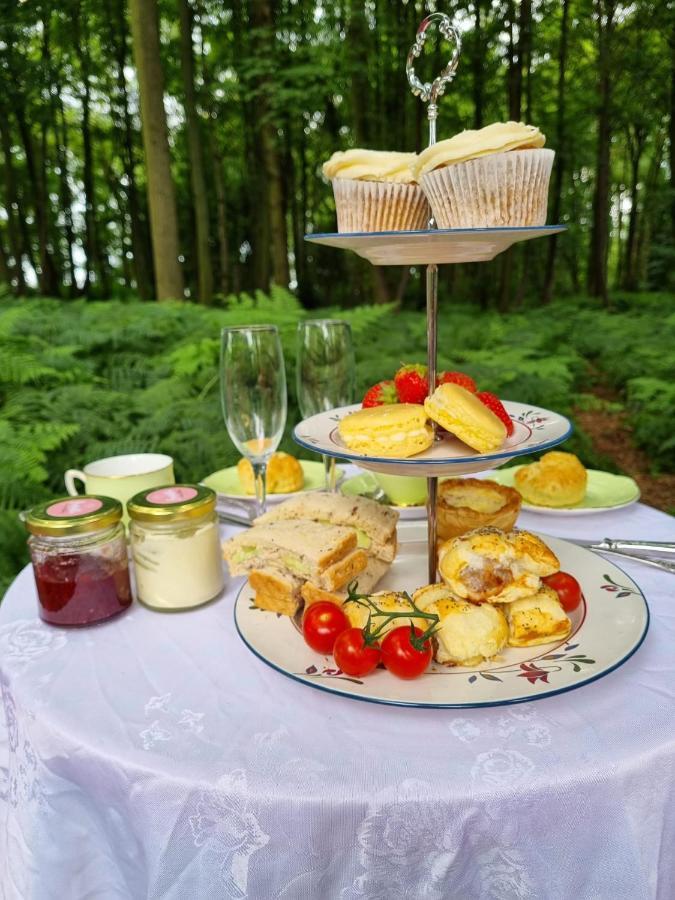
(376, 521)
(303, 547)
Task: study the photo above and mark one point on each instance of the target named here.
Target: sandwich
(280, 557)
(373, 524)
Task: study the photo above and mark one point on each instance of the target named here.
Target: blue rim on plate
(610, 667)
(518, 229)
(341, 452)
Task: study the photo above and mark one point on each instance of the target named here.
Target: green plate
(365, 485)
(226, 484)
(604, 491)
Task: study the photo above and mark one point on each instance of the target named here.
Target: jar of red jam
(79, 553)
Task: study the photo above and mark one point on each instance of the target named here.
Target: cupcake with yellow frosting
(376, 190)
(497, 176)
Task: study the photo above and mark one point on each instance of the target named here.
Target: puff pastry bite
(557, 480)
(387, 601)
(538, 619)
(467, 633)
(489, 565)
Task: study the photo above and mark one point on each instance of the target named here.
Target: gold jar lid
(172, 503)
(74, 515)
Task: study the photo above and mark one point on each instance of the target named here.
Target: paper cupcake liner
(379, 206)
(503, 189)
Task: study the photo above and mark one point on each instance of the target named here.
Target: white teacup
(122, 476)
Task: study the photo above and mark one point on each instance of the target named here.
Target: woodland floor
(612, 437)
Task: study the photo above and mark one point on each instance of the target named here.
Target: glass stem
(260, 479)
(330, 472)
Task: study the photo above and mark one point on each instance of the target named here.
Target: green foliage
(652, 405)
(79, 381)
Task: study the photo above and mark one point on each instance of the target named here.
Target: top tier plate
(442, 245)
(535, 429)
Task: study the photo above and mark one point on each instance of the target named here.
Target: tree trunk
(262, 23)
(221, 222)
(515, 72)
(645, 221)
(561, 156)
(14, 211)
(477, 67)
(636, 145)
(5, 268)
(671, 125)
(140, 239)
(197, 178)
(599, 245)
(161, 189)
(65, 198)
(357, 44)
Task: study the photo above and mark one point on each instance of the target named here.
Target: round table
(155, 757)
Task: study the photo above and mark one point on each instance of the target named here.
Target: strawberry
(411, 383)
(379, 394)
(460, 378)
(496, 406)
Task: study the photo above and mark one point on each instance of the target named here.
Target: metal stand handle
(430, 92)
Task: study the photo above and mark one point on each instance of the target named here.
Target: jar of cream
(175, 546)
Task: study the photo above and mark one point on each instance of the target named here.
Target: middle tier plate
(535, 429)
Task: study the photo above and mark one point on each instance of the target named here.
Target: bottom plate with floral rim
(607, 628)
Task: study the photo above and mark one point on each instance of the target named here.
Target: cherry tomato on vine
(566, 587)
(321, 624)
(353, 655)
(400, 655)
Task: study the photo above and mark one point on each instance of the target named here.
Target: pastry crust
(468, 503)
(467, 633)
(387, 601)
(488, 565)
(284, 474)
(461, 413)
(557, 480)
(538, 619)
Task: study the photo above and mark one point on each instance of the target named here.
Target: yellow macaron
(396, 430)
(461, 413)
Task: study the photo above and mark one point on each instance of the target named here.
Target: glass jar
(175, 546)
(80, 561)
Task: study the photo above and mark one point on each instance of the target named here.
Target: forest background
(171, 150)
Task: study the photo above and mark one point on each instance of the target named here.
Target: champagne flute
(324, 372)
(253, 396)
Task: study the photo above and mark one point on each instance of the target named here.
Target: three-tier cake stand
(535, 429)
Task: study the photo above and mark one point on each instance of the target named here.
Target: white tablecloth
(155, 757)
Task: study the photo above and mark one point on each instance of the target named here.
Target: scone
(468, 503)
(557, 480)
(494, 177)
(284, 474)
(488, 565)
(461, 413)
(397, 430)
(376, 191)
(538, 619)
(467, 633)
